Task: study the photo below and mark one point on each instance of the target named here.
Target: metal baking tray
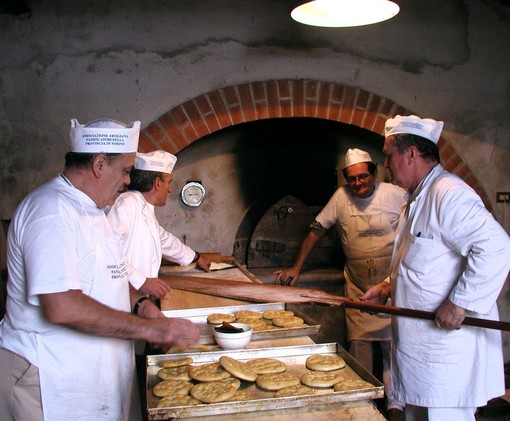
(199, 317)
(262, 400)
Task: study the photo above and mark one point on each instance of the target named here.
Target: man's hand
(449, 315)
(378, 294)
(149, 310)
(155, 287)
(168, 332)
(287, 276)
(180, 333)
(290, 275)
(204, 263)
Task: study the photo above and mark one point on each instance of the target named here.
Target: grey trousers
(20, 393)
(420, 413)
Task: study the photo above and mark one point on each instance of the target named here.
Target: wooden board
(236, 288)
(273, 293)
(181, 299)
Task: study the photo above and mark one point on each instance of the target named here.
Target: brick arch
(210, 112)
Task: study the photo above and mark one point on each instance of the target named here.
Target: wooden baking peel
(267, 293)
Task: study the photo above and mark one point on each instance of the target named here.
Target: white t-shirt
(58, 241)
(52, 241)
(145, 242)
(343, 209)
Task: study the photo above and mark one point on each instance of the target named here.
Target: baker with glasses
(365, 212)
(361, 178)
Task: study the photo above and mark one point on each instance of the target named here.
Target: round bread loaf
(266, 365)
(276, 381)
(238, 369)
(272, 314)
(172, 387)
(321, 378)
(219, 318)
(174, 373)
(241, 395)
(294, 391)
(208, 372)
(247, 314)
(292, 321)
(177, 400)
(212, 392)
(176, 363)
(256, 324)
(328, 362)
(352, 384)
(232, 381)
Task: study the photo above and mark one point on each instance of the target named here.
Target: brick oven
(283, 140)
(288, 136)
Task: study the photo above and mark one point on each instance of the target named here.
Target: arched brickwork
(198, 117)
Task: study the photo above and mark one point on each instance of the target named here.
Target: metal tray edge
(270, 403)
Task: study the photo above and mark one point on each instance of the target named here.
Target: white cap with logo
(424, 127)
(355, 156)
(104, 135)
(159, 161)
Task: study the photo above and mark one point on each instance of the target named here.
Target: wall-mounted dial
(193, 193)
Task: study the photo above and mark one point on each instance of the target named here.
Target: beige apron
(86, 377)
(368, 248)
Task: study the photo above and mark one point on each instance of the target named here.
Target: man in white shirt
(133, 219)
(365, 213)
(450, 257)
(66, 349)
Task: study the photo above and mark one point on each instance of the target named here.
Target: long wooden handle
(268, 293)
(420, 314)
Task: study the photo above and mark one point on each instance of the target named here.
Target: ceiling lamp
(343, 13)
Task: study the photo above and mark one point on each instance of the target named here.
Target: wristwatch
(138, 304)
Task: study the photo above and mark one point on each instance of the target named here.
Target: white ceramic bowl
(234, 340)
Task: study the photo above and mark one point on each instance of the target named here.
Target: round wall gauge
(193, 193)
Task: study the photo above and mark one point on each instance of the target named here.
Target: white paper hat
(160, 161)
(104, 135)
(355, 156)
(424, 127)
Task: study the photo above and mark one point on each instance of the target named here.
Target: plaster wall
(446, 60)
(136, 60)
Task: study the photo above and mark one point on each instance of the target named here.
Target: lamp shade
(343, 13)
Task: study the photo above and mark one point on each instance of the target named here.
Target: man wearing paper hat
(133, 219)
(423, 127)
(450, 256)
(68, 329)
(366, 213)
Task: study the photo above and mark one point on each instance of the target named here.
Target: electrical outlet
(503, 197)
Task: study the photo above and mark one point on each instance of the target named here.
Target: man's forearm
(306, 248)
(78, 311)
